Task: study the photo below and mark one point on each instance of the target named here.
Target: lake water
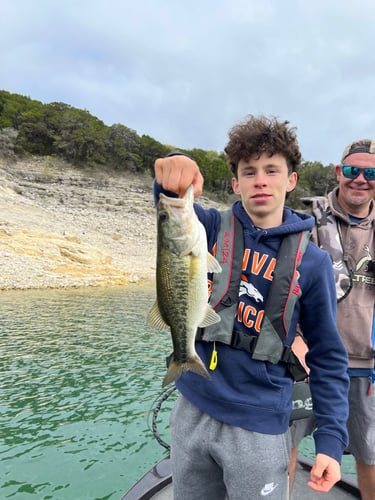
(79, 375)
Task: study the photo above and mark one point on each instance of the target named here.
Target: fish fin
(213, 265)
(176, 369)
(210, 317)
(194, 249)
(155, 320)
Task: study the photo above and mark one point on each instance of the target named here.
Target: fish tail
(176, 369)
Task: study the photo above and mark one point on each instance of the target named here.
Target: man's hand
(176, 173)
(324, 473)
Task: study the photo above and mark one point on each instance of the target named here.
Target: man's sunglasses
(353, 172)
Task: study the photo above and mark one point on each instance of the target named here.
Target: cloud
(184, 73)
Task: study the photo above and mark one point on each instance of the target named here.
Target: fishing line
(160, 399)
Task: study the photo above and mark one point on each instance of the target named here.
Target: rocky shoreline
(65, 227)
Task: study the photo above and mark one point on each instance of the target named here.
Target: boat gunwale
(160, 476)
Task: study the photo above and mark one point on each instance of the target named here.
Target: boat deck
(157, 485)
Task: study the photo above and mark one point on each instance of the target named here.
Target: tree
(214, 168)
(12, 106)
(34, 135)
(123, 148)
(151, 150)
(8, 136)
(81, 137)
(317, 178)
(314, 179)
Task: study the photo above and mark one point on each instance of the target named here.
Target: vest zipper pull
(213, 362)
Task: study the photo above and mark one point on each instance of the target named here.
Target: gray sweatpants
(361, 422)
(214, 461)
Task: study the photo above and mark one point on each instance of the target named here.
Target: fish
(182, 264)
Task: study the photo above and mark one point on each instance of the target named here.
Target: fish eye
(163, 216)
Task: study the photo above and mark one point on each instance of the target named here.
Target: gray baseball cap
(361, 146)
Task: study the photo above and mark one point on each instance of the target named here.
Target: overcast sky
(183, 72)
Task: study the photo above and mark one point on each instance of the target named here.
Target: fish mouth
(171, 201)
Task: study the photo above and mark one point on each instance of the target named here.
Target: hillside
(60, 226)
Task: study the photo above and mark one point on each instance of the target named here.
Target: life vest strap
(243, 341)
(247, 343)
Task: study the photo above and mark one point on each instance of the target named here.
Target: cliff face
(62, 227)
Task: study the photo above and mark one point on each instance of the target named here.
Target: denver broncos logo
(250, 290)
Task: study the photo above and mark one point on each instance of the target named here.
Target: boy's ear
(292, 182)
(235, 186)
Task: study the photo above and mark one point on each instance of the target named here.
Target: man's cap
(362, 146)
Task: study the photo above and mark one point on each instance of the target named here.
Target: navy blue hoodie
(256, 395)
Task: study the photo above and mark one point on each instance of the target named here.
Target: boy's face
(262, 184)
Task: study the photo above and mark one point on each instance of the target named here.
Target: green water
(79, 373)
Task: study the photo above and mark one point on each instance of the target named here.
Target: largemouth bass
(181, 282)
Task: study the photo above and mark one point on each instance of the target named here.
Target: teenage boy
(229, 434)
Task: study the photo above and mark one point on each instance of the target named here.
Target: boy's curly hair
(258, 135)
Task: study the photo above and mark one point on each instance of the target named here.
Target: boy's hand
(324, 473)
(176, 173)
